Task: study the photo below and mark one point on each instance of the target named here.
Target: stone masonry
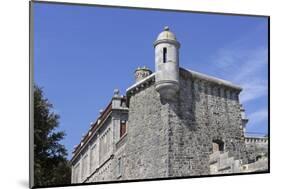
(174, 122)
(175, 137)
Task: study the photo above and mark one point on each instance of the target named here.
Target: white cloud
(257, 117)
(245, 67)
(253, 89)
(251, 63)
(245, 64)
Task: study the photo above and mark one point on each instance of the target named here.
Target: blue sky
(81, 54)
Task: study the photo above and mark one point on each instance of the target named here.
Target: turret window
(164, 55)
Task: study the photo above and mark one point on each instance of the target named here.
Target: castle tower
(167, 64)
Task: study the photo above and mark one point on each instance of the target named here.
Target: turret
(167, 64)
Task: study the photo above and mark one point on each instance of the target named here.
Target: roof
(167, 36)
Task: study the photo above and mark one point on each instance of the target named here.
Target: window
(164, 55)
(218, 145)
(189, 163)
(105, 144)
(119, 167)
(85, 166)
(76, 173)
(123, 128)
(94, 158)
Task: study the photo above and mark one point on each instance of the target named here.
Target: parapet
(211, 79)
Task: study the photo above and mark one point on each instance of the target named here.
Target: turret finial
(166, 28)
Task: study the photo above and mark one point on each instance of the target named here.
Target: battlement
(255, 139)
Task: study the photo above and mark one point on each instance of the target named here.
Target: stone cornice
(211, 79)
(254, 139)
(184, 72)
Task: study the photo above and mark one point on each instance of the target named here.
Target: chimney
(142, 73)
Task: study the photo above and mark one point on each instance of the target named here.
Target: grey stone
(180, 123)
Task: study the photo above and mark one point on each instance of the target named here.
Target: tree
(51, 166)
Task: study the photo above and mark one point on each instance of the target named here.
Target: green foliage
(50, 164)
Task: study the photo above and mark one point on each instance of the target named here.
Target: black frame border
(31, 82)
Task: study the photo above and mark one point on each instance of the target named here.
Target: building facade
(171, 123)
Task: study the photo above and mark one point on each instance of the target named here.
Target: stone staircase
(221, 163)
(259, 166)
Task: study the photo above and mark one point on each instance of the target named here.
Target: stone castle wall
(180, 123)
(203, 113)
(257, 147)
(174, 138)
(147, 145)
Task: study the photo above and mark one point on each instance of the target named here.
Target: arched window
(164, 55)
(218, 145)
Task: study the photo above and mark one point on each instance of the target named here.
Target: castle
(174, 122)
